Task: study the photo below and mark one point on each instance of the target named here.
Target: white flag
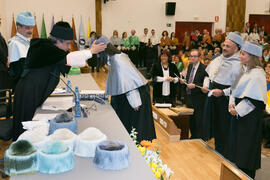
(81, 42)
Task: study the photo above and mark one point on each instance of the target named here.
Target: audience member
(164, 80)
(195, 97)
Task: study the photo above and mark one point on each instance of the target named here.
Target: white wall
(257, 7)
(58, 8)
(124, 15)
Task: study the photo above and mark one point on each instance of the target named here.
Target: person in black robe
(130, 93)
(246, 105)
(164, 80)
(45, 61)
(3, 64)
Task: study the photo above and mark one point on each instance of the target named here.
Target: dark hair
(180, 60)
(112, 50)
(123, 35)
(166, 53)
(166, 33)
(172, 34)
(92, 32)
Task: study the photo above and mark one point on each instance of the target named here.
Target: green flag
(43, 33)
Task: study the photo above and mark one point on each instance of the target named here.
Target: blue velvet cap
(25, 18)
(235, 38)
(55, 157)
(63, 121)
(252, 49)
(111, 155)
(103, 39)
(20, 158)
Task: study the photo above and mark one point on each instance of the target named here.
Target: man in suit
(195, 97)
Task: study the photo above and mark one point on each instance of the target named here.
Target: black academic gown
(216, 121)
(197, 99)
(3, 63)
(246, 136)
(142, 119)
(44, 63)
(157, 86)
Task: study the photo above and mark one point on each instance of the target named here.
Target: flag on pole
(13, 28)
(35, 30)
(43, 33)
(81, 42)
(74, 46)
(88, 29)
(52, 23)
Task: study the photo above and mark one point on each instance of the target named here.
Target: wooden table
(173, 121)
(108, 122)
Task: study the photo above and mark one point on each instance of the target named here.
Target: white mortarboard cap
(252, 49)
(235, 38)
(25, 18)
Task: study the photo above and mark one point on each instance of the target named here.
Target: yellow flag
(35, 30)
(88, 29)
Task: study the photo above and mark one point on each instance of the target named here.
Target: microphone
(96, 99)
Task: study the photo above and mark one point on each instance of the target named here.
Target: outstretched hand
(96, 48)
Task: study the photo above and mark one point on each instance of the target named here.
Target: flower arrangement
(152, 157)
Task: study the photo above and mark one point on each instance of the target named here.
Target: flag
(74, 46)
(35, 30)
(43, 33)
(88, 29)
(13, 28)
(52, 23)
(81, 42)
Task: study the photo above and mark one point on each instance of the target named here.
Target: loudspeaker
(170, 8)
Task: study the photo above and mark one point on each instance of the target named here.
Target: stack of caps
(63, 121)
(20, 158)
(65, 136)
(87, 141)
(111, 155)
(55, 157)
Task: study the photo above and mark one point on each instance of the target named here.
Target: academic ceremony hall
(135, 89)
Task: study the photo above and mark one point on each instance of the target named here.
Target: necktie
(190, 79)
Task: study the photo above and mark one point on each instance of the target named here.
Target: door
(261, 20)
(182, 27)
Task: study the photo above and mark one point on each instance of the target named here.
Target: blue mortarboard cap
(252, 49)
(235, 38)
(25, 18)
(103, 39)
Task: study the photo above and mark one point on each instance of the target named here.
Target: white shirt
(18, 47)
(166, 83)
(144, 38)
(154, 40)
(254, 37)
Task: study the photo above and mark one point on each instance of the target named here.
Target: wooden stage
(188, 159)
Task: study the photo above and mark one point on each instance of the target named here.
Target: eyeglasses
(193, 56)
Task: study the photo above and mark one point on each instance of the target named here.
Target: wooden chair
(5, 120)
(229, 172)
(5, 114)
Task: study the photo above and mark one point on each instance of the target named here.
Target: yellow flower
(154, 165)
(154, 170)
(157, 174)
(142, 150)
(160, 170)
